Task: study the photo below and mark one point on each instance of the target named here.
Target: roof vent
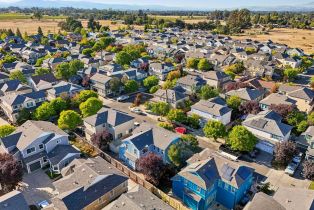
(131, 196)
(142, 205)
(90, 176)
(123, 204)
(83, 169)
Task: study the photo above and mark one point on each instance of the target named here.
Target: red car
(181, 130)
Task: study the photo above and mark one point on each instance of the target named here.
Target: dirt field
(303, 39)
(112, 25)
(194, 19)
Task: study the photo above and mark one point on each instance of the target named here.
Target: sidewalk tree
(6, 130)
(11, 172)
(241, 139)
(69, 120)
(214, 129)
(160, 108)
(176, 115)
(84, 95)
(150, 81)
(131, 86)
(90, 107)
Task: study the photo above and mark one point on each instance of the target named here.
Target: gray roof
(13, 200)
(110, 116)
(14, 99)
(215, 106)
(146, 135)
(100, 78)
(190, 80)
(46, 77)
(13, 85)
(247, 94)
(303, 93)
(215, 75)
(205, 173)
(261, 201)
(60, 152)
(64, 87)
(171, 95)
(268, 121)
(138, 198)
(277, 98)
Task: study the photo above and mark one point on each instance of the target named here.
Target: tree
(59, 105)
(310, 118)
(11, 172)
(192, 63)
(174, 154)
(6, 130)
(23, 116)
(241, 139)
(40, 31)
(282, 109)
(236, 68)
(62, 71)
(284, 152)
(114, 84)
(69, 120)
(41, 71)
(131, 86)
(152, 166)
(160, 108)
(173, 75)
(214, 129)
(123, 58)
(38, 15)
(190, 140)
(204, 65)
(138, 99)
(87, 51)
(176, 115)
(18, 75)
(193, 121)
(150, 81)
(295, 117)
(154, 89)
(302, 126)
(308, 169)
(250, 107)
(84, 95)
(234, 102)
(18, 33)
(102, 140)
(44, 112)
(208, 92)
(75, 66)
(90, 107)
(290, 73)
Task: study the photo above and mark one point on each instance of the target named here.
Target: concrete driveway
(36, 187)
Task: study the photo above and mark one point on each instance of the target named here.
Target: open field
(112, 26)
(300, 38)
(11, 16)
(194, 19)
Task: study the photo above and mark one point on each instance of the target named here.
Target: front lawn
(52, 175)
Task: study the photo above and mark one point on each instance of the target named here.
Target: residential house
(217, 79)
(138, 198)
(12, 104)
(37, 144)
(268, 128)
(100, 84)
(118, 124)
(173, 97)
(161, 70)
(306, 143)
(146, 138)
(212, 109)
(88, 184)
(205, 183)
(139, 62)
(42, 82)
(52, 63)
(262, 201)
(4, 77)
(63, 89)
(14, 86)
(276, 99)
(246, 94)
(190, 83)
(13, 200)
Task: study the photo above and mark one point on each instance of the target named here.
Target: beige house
(172, 97)
(118, 124)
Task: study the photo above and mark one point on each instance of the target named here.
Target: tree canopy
(241, 139)
(208, 92)
(6, 130)
(90, 107)
(214, 129)
(69, 120)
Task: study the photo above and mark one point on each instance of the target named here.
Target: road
(204, 142)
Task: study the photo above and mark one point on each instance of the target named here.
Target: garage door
(34, 166)
(265, 146)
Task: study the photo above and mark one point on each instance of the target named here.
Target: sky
(200, 3)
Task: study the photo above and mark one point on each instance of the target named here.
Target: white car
(43, 204)
(122, 98)
(136, 111)
(291, 168)
(136, 123)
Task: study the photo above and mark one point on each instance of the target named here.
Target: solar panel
(227, 172)
(243, 172)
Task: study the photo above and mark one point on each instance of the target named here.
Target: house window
(41, 146)
(45, 159)
(58, 141)
(30, 150)
(126, 147)
(55, 168)
(119, 135)
(226, 187)
(111, 193)
(134, 151)
(198, 189)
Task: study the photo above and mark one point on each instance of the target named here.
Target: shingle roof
(277, 98)
(101, 78)
(216, 106)
(246, 93)
(60, 152)
(171, 95)
(13, 99)
(261, 201)
(46, 77)
(64, 87)
(215, 75)
(13, 200)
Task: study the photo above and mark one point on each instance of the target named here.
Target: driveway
(36, 187)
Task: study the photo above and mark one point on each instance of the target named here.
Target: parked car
(298, 158)
(181, 130)
(122, 98)
(291, 168)
(136, 111)
(136, 123)
(43, 204)
(254, 153)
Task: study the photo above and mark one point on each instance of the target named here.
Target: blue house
(145, 139)
(205, 183)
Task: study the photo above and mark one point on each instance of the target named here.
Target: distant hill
(90, 5)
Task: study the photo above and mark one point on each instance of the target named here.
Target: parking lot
(37, 187)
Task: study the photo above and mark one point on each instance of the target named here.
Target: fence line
(137, 179)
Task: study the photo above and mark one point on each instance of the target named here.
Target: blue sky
(200, 3)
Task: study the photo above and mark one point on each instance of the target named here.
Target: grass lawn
(311, 187)
(21, 16)
(52, 175)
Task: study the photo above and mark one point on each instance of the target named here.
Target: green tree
(214, 129)
(88, 51)
(234, 102)
(236, 68)
(176, 115)
(115, 84)
(290, 73)
(62, 71)
(18, 75)
(59, 105)
(154, 89)
(44, 112)
(23, 116)
(69, 120)
(40, 31)
(6, 130)
(131, 86)
(18, 33)
(84, 95)
(41, 71)
(208, 92)
(75, 66)
(174, 154)
(241, 139)
(192, 63)
(160, 108)
(191, 140)
(123, 58)
(90, 107)
(302, 126)
(204, 65)
(150, 81)
(295, 117)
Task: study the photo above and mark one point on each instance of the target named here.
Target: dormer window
(30, 150)
(41, 146)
